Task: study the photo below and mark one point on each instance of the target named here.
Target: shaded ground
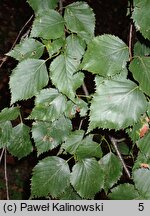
(110, 18)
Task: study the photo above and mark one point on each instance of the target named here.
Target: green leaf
(144, 145)
(48, 135)
(140, 17)
(124, 192)
(148, 109)
(87, 177)
(70, 194)
(5, 134)
(62, 71)
(80, 19)
(53, 46)
(49, 105)
(50, 177)
(28, 48)
(73, 141)
(48, 25)
(63, 127)
(45, 136)
(42, 137)
(141, 49)
(27, 79)
(141, 178)
(88, 148)
(9, 114)
(75, 47)
(112, 168)
(140, 67)
(123, 148)
(82, 148)
(112, 105)
(21, 144)
(106, 55)
(41, 6)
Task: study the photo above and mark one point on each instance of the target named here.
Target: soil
(110, 18)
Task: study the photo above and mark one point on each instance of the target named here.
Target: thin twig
(6, 177)
(80, 125)
(20, 32)
(85, 90)
(131, 31)
(4, 59)
(130, 41)
(1, 156)
(114, 142)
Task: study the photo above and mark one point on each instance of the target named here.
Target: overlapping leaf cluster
(118, 103)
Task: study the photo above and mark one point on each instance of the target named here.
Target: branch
(1, 156)
(5, 58)
(131, 31)
(114, 142)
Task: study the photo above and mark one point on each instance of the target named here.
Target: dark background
(110, 18)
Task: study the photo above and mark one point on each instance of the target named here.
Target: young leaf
(21, 144)
(5, 134)
(78, 105)
(49, 105)
(73, 141)
(62, 71)
(106, 55)
(134, 131)
(112, 168)
(48, 135)
(80, 19)
(141, 17)
(141, 177)
(50, 177)
(27, 79)
(28, 48)
(87, 177)
(140, 67)
(82, 107)
(124, 192)
(144, 145)
(112, 105)
(48, 25)
(141, 159)
(53, 46)
(41, 6)
(9, 114)
(88, 148)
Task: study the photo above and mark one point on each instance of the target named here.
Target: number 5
(141, 206)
